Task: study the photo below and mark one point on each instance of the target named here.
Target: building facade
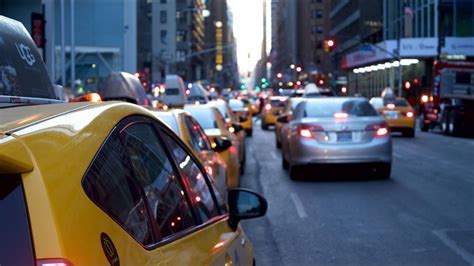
(423, 32)
(313, 29)
(179, 39)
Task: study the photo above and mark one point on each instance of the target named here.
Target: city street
(423, 215)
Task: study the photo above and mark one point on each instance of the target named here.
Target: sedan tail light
(409, 114)
(306, 131)
(380, 130)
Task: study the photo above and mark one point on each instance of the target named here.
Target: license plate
(391, 115)
(344, 136)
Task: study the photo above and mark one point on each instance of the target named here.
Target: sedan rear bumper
(309, 151)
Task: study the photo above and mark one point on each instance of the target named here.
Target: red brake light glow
(306, 133)
(341, 115)
(410, 114)
(268, 107)
(381, 132)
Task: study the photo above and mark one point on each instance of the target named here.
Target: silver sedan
(336, 131)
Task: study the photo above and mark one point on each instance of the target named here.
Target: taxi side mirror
(283, 119)
(221, 144)
(245, 204)
(242, 119)
(237, 127)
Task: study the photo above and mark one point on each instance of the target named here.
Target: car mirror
(235, 128)
(245, 204)
(221, 144)
(283, 119)
(242, 119)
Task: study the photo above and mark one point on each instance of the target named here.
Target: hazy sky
(248, 29)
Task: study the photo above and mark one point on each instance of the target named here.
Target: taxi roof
(17, 117)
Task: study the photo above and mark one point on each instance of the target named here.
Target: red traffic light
(299, 69)
(407, 85)
(330, 43)
(279, 75)
(321, 82)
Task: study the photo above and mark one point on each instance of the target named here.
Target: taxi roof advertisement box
(20, 59)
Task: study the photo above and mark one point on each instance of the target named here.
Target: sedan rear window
(15, 242)
(172, 91)
(328, 108)
(205, 117)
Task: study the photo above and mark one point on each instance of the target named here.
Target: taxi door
(212, 241)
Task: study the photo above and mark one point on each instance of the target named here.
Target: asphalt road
(423, 215)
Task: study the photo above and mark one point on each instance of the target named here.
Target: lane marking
(465, 255)
(298, 205)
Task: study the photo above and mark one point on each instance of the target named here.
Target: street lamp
(292, 66)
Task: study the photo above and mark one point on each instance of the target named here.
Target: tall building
(220, 57)
(286, 26)
(299, 29)
(313, 30)
(178, 39)
(423, 31)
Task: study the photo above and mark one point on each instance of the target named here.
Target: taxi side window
(199, 140)
(109, 185)
(154, 172)
(200, 193)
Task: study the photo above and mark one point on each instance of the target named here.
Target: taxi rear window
(396, 102)
(15, 241)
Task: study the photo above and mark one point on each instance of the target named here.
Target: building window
(317, 29)
(319, 45)
(163, 34)
(317, 13)
(180, 56)
(180, 36)
(163, 17)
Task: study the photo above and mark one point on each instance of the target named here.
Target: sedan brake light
(409, 114)
(306, 131)
(380, 130)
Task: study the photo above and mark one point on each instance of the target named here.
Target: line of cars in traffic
(94, 182)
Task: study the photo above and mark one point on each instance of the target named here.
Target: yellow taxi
(103, 183)
(285, 116)
(398, 113)
(190, 132)
(213, 124)
(271, 110)
(252, 105)
(232, 123)
(244, 114)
